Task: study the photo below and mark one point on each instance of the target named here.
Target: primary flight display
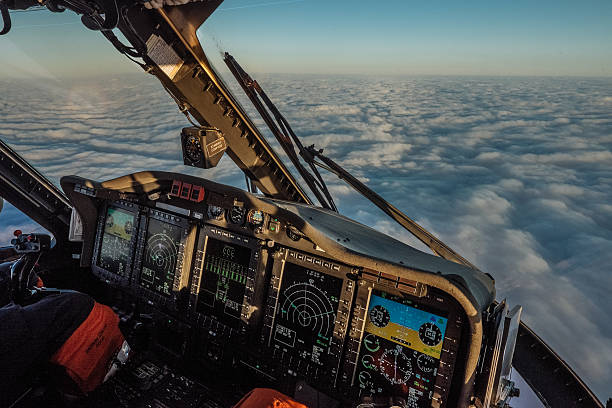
(400, 351)
(116, 247)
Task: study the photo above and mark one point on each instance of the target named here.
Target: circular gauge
(379, 316)
(430, 334)
(365, 379)
(193, 149)
(161, 253)
(426, 363)
(368, 362)
(293, 233)
(371, 343)
(214, 212)
(237, 215)
(396, 366)
(110, 221)
(306, 305)
(255, 218)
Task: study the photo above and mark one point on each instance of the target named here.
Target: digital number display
(400, 350)
(117, 241)
(224, 278)
(160, 256)
(306, 312)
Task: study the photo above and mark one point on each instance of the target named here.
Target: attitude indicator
(116, 245)
(400, 350)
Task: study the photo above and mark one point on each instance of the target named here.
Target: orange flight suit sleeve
(267, 398)
(89, 350)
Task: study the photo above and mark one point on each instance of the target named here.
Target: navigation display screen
(306, 312)
(160, 256)
(400, 350)
(117, 241)
(223, 282)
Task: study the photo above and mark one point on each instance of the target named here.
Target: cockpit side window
(11, 219)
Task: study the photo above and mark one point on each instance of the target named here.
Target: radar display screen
(224, 278)
(160, 256)
(117, 241)
(400, 350)
(306, 312)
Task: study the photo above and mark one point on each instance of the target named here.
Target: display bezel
(251, 304)
(162, 301)
(324, 376)
(109, 277)
(434, 302)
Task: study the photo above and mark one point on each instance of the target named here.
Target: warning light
(176, 188)
(17, 233)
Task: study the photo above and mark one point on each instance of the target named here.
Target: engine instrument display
(160, 256)
(224, 278)
(117, 241)
(400, 350)
(306, 312)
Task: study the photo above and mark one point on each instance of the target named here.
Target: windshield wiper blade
(280, 128)
(432, 242)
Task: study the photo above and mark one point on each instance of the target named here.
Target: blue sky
(315, 36)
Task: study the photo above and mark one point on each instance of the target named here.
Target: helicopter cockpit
(262, 291)
(220, 290)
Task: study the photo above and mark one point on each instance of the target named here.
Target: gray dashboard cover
(357, 238)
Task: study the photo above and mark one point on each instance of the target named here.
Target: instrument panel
(116, 239)
(223, 281)
(307, 313)
(401, 348)
(284, 313)
(161, 251)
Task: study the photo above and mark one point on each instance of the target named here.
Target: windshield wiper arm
(281, 129)
(286, 137)
(432, 242)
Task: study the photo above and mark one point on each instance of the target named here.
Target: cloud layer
(514, 173)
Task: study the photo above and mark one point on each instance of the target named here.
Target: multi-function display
(160, 256)
(306, 312)
(117, 241)
(224, 278)
(400, 350)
